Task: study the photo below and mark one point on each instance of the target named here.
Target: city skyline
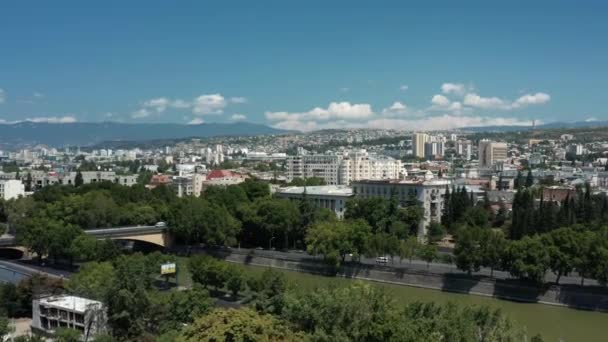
(305, 66)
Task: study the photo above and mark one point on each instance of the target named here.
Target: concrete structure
(464, 148)
(418, 141)
(429, 192)
(183, 185)
(11, 188)
(332, 197)
(490, 152)
(62, 311)
(343, 168)
(41, 179)
(434, 149)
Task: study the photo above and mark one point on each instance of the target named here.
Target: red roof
(222, 174)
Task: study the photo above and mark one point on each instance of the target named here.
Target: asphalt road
(434, 267)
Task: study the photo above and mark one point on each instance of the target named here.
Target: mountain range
(27, 133)
(550, 125)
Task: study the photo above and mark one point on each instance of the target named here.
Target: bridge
(157, 234)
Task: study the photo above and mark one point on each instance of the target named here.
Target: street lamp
(270, 242)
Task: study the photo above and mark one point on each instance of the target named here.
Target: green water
(553, 322)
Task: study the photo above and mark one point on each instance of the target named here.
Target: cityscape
(230, 204)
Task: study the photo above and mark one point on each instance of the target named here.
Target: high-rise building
(434, 149)
(343, 168)
(418, 141)
(464, 148)
(490, 152)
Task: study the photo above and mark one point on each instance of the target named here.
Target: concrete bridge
(157, 234)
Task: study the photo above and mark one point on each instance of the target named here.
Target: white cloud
(238, 100)
(476, 101)
(209, 104)
(440, 122)
(158, 104)
(38, 95)
(397, 108)
(140, 114)
(196, 121)
(335, 110)
(404, 87)
(531, 99)
(344, 89)
(591, 119)
(453, 88)
(180, 104)
(440, 101)
(53, 119)
(2, 96)
(238, 117)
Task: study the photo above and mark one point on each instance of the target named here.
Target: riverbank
(572, 296)
(556, 324)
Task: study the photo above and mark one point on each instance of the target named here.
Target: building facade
(418, 141)
(490, 152)
(343, 168)
(429, 192)
(332, 197)
(11, 188)
(62, 311)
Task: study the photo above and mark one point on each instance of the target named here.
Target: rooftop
(73, 303)
(336, 190)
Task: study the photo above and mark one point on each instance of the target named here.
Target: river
(556, 324)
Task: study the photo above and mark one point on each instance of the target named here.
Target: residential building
(63, 311)
(418, 141)
(464, 148)
(428, 191)
(332, 197)
(11, 188)
(434, 149)
(343, 168)
(491, 152)
(183, 185)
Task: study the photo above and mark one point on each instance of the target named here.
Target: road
(434, 267)
(14, 271)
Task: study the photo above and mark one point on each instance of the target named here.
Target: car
(382, 260)
(259, 248)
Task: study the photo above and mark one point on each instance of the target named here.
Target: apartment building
(429, 192)
(343, 168)
(464, 148)
(11, 188)
(63, 311)
(418, 141)
(490, 152)
(332, 197)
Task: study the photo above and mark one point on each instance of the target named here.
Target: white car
(382, 260)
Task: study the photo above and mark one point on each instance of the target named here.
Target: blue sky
(304, 65)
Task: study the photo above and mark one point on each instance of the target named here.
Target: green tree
(93, 280)
(67, 335)
(242, 325)
(527, 258)
(565, 247)
(408, 249)
(235, 280)
(493, 245)
(529, 179)
(468, 249)
(428, 253)
(78, 181)
(207, 271)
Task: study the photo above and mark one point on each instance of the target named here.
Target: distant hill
(28, 133)
(551, 125)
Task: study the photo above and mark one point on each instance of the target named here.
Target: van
(382, 260)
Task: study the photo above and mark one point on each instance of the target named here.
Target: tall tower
(418, 141)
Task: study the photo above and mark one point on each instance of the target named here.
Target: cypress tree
(529, 179)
